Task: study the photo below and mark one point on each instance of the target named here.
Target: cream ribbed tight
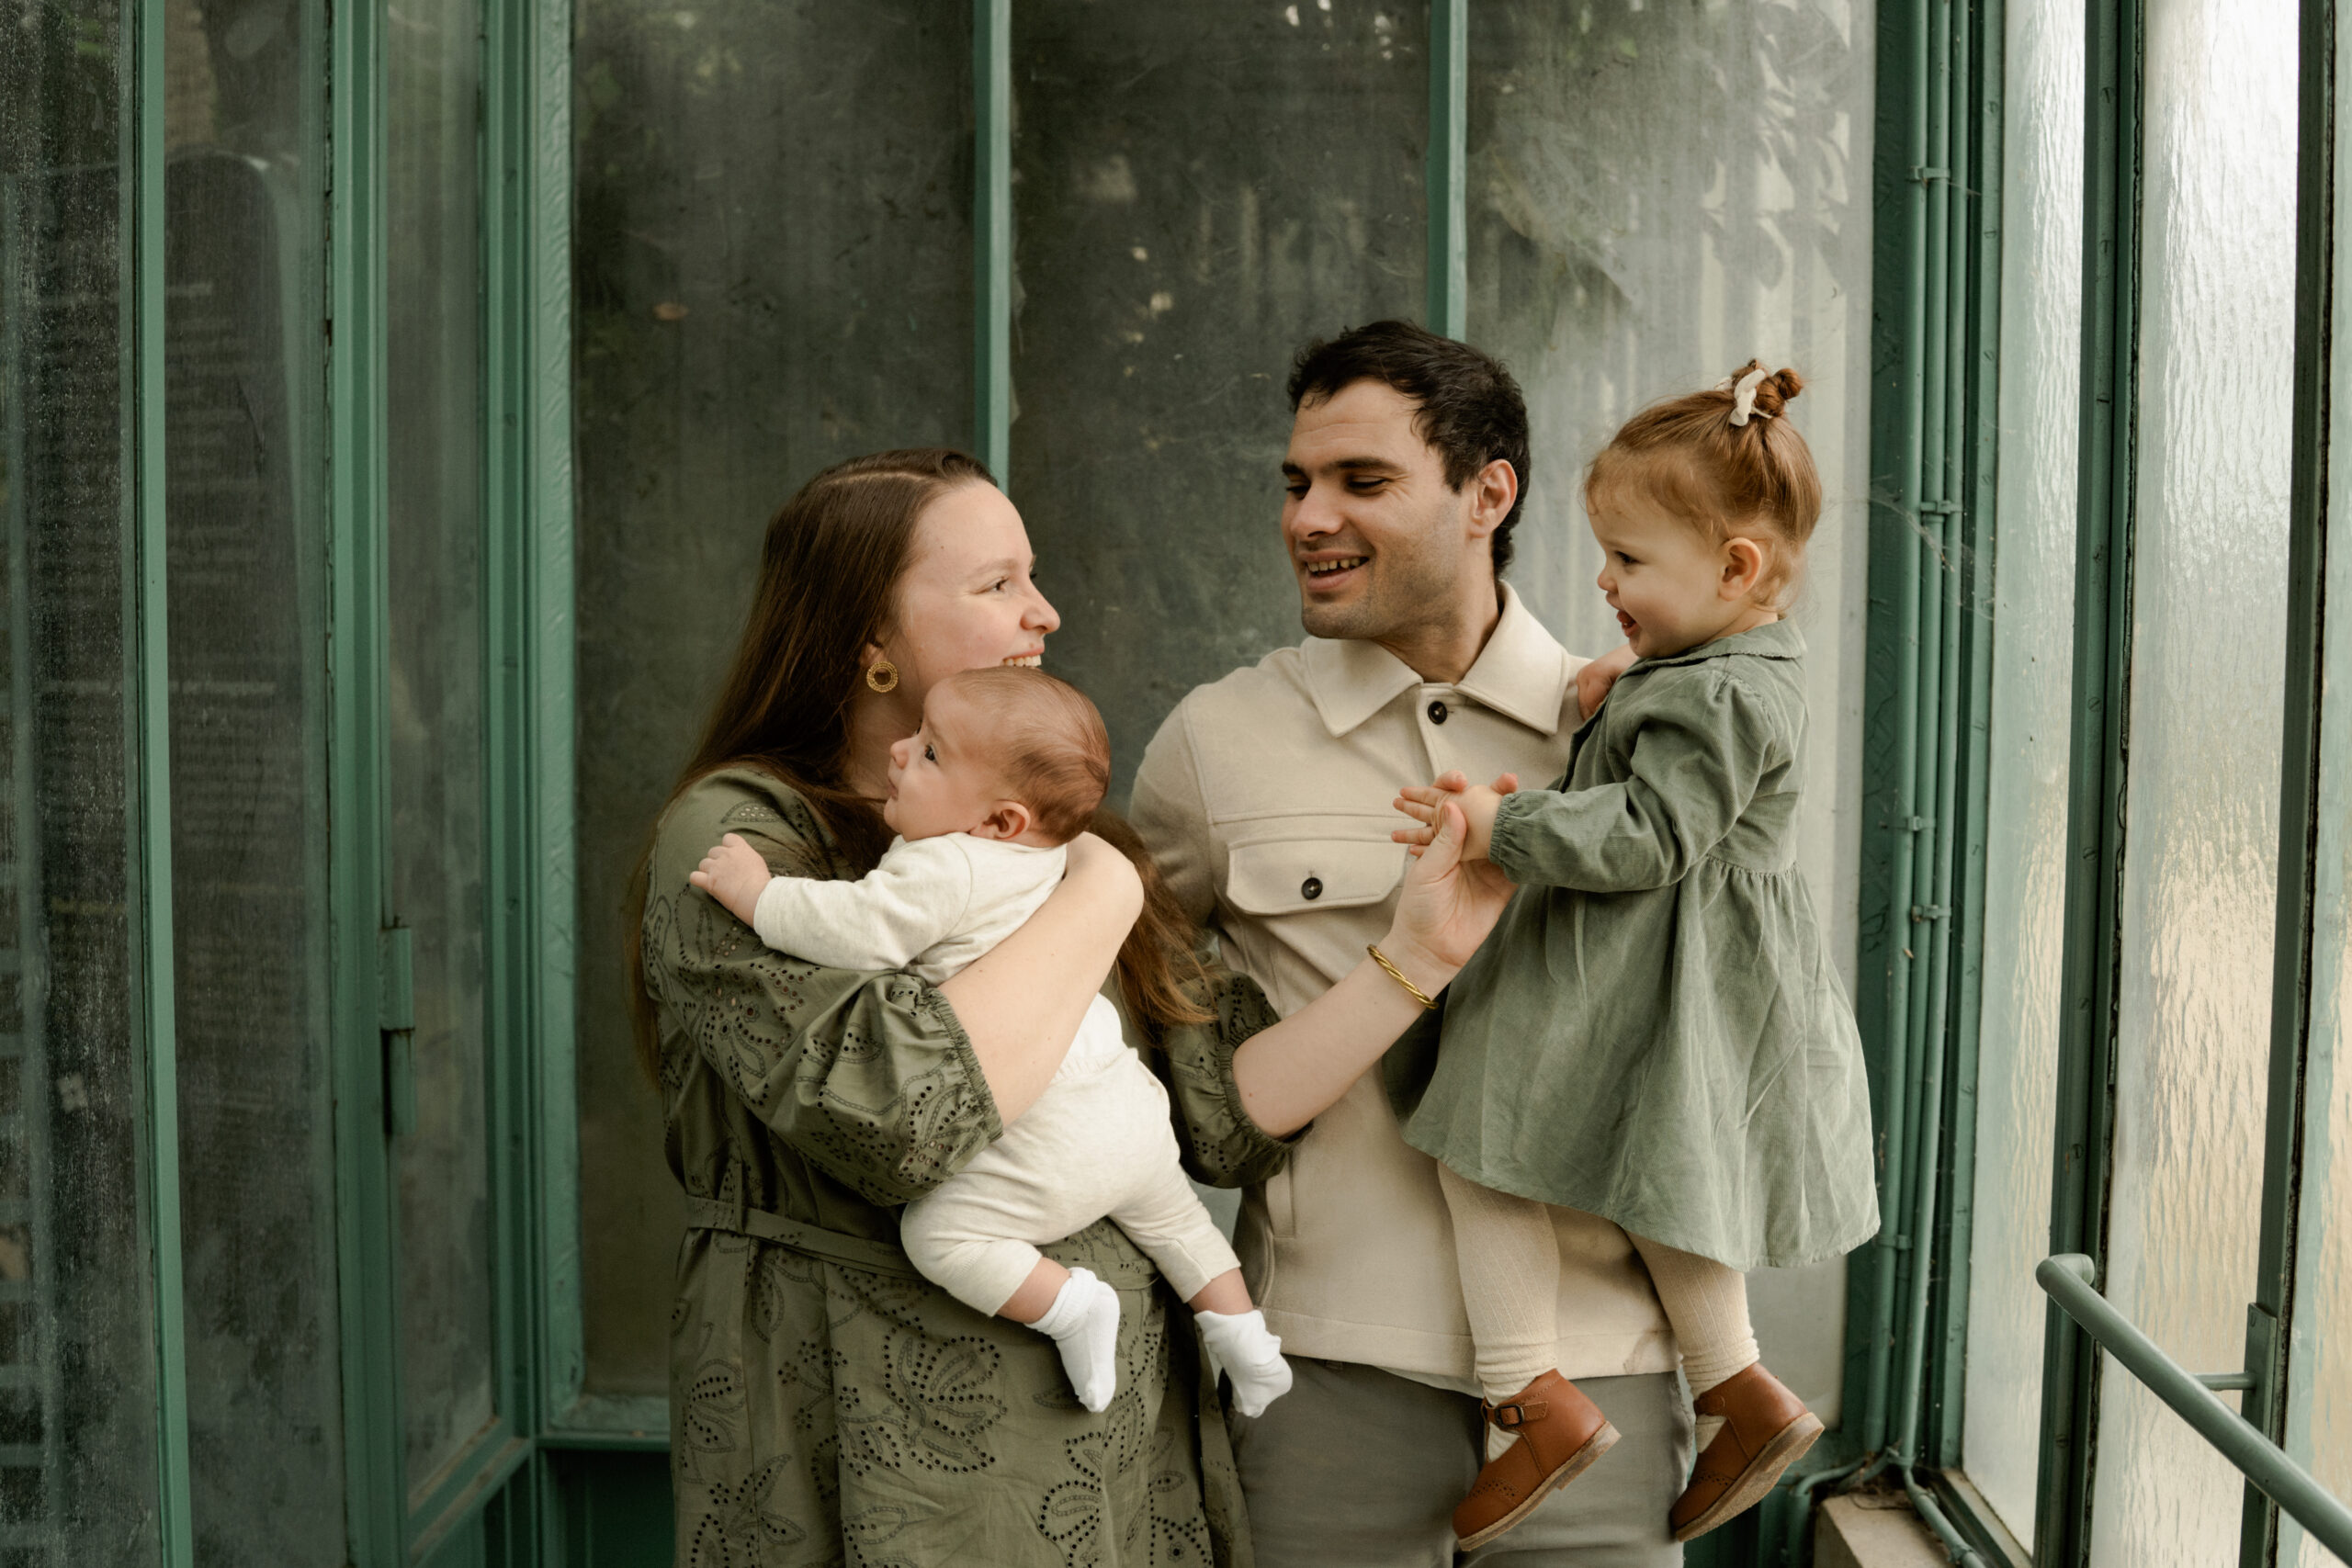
(1509, 1259)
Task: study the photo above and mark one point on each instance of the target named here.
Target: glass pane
(1658, 193)
(247, 586)
(2216, 366)
(1200, 189)
(2319, 1386)
(434, 716)
(77, 1418)
(773, 271)
(2025, 871)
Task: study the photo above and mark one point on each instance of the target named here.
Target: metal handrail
(2069, 1279)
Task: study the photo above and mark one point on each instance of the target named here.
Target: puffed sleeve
(867, 1075)
(1702, 748)
(1221, 1147)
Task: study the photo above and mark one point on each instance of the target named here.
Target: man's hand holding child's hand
(1421, 802)
(733, 873)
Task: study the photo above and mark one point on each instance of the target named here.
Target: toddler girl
(1654, 1032)
(1008, 767)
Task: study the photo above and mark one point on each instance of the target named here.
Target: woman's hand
(1022, 1001)
(1292, 1072)
(1449, 902)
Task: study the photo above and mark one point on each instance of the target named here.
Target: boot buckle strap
(1517, 1414)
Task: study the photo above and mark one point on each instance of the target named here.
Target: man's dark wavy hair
(1471, 409)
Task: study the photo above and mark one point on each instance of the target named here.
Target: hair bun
(1780, 389)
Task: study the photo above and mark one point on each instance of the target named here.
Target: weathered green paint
(1891, 694)
(487, 1507)
(1974, 450)
(367, 1283)
(531, 67)
(2268, 1316)
(1447, 192)
(147, 714)
(993, 234)
(2088, 979)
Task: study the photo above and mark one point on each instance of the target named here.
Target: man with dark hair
(1265, 799)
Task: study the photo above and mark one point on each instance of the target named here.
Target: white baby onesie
(1097, 1142)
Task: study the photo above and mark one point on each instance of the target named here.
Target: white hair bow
(1743, 396)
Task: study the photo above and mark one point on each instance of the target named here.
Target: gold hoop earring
(882, 676)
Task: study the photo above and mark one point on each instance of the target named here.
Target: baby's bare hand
(733, 873)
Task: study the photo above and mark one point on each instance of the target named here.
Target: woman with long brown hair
(828, 1404)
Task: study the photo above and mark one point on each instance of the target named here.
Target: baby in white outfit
(1008, 767)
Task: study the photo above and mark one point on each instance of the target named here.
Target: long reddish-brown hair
(829, 573)
(1725, 480)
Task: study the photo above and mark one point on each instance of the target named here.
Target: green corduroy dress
(1654, 1032)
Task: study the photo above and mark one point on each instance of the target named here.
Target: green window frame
(1936, 288)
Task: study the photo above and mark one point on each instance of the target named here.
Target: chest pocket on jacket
(1290, 876)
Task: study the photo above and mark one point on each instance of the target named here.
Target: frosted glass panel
(1656, 194)
(2025, 873)
(1201, 188)
(772, 271)
(2319, 1365)
(2216, 360)
(244, 304)
(78, 1325)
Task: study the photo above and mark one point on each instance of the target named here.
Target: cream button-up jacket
(1265, 800)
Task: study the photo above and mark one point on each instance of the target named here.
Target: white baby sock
(1251, 1355)
(1084, 1324)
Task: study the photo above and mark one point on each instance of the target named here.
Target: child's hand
(733, 873)
(1594, 679)
(1422, 802)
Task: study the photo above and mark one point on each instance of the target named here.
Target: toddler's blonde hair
(1728, 481)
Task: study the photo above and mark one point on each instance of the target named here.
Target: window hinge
(1927, 172)
(396, 1021)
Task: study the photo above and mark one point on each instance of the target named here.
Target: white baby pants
(1097, 1142)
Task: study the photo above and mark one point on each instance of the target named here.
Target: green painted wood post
(2299, 798)
(2089, 979)
(527, 380)
(368, 1282)
(1447, 200)
(147, 715)
(993, 234)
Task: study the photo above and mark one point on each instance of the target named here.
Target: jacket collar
(1773, 639)
(1522, 673)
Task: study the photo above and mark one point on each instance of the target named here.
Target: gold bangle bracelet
(1398, 976)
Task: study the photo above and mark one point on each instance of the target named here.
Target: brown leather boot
(1765, 1429)
(1560, 1433)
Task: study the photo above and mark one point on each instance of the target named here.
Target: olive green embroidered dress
(1654, 1032)
(828, 1405)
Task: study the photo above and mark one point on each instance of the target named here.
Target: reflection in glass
(2025, 869)
(773, 272)
(1658, 193)
(77, 1460)
(2216, 363)
(434, 716)
(247, 600)
(1200, 189)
